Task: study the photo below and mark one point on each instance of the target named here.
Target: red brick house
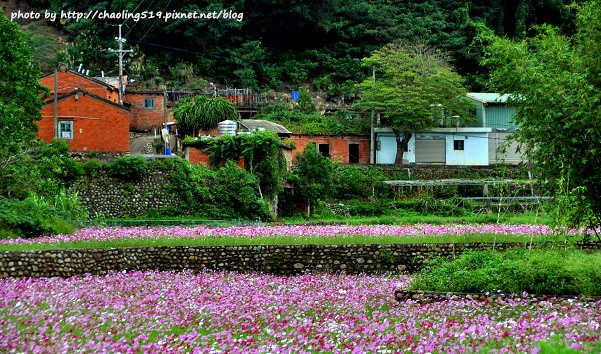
(87, 122)
(344, 149)
(69, 80)
(148, 109)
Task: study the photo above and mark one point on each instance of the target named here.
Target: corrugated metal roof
(486, 97)
(252, 124)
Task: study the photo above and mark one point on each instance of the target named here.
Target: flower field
(211, 312)
(296, 231)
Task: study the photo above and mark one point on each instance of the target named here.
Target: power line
(133, 12)
(155, 21)
(132, 27)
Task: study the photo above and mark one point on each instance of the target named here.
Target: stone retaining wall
(114, 198)
(273, 259)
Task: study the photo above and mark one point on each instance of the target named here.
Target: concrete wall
(386, 153)
(475, 151)
(276, 259)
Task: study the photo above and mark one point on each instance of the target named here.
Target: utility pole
(120, 53)
(372, 148)
(55, 124)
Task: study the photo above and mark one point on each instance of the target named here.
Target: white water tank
(227, 127)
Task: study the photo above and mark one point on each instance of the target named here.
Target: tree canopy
(415, 89)
(555, 83)
(294, 42)
(20, 106)
(20, 90)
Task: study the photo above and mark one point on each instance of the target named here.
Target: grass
(530, 218)
(283, 240)
(541, 271)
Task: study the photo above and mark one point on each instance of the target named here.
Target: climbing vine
(260, 150)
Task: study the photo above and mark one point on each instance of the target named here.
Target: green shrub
(235, 193)
(367, 208)
(129, 168)
(31, 217)
(55, 163)
(551, 272)
(92, 167)
(228, 192)
(352, 182)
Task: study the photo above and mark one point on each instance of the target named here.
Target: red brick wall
(214, 132)
(67, 82)
(109, 133)
(145, 118)
(339, 145)
(195, 156)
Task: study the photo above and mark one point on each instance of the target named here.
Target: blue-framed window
(65, 130)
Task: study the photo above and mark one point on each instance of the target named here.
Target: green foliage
(33, 175)
(353, 182)
(36, 216)
(418, 206)
(312, 178)
(554, 81)
(259, 149)
(20, 90)
(322, 40)
(415, 89)
(305, 104)
(56, 163)
(201, 112)
(128, 168)
(187, 181)
(550, 272)
(342, 122)
(228, 192)
(234, 192)
(92, 167)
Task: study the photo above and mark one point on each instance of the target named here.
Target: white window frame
(150, 100)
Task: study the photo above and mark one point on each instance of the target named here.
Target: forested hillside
(280, 43)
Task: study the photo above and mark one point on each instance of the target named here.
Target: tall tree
(20, 90)
(415, 89)
(20, 105)
(554, 82)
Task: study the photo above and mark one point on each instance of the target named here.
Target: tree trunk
(401, 145)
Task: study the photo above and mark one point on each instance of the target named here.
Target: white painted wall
(387, 152)
(475, 151)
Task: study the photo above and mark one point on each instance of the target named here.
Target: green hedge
(550, 272)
